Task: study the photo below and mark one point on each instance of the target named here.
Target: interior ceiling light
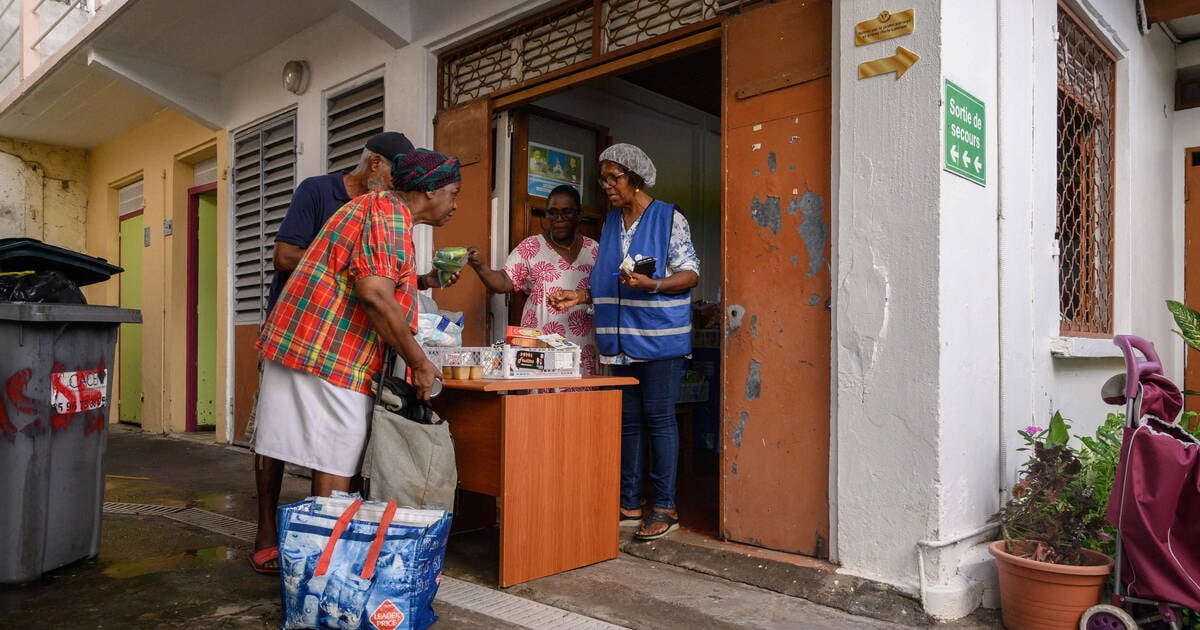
(295, 76)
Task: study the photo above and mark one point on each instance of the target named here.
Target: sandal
(265, 561)
(630, 520)
(657, 516)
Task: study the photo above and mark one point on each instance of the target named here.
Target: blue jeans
(648, 413)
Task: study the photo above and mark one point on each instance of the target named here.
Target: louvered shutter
(352, 117)
(264, 176)
(129, 198)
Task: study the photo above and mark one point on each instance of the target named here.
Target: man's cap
(390, 144)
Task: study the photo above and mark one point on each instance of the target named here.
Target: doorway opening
(753, 177)
(133, 238)
(202, 309)
(672, 110)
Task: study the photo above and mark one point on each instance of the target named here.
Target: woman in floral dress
(543, 264)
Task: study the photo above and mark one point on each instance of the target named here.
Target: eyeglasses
(608, 181)
(561, 214)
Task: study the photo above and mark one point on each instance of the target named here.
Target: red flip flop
(265, 561)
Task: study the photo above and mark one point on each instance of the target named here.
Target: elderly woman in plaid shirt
(355, 286)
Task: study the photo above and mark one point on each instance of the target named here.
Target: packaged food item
(448, 261)
(524, 337)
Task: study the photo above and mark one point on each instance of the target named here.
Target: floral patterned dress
(538, 271)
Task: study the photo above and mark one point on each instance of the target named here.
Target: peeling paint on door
(766, 213)
(739, 431)
(754, 381)
(813, 229)
(772, 161)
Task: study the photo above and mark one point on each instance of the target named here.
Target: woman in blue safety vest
(643, 318)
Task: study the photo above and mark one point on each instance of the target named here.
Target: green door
(130, 394)
(206, 312)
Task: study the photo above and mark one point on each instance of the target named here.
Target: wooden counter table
(552, 460)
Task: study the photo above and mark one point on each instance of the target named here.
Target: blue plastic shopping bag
(348, 564)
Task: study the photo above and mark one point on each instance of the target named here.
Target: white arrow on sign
(954, 152)
(967, 157)
(977, 164)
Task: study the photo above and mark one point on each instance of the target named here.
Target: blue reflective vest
(642, 325)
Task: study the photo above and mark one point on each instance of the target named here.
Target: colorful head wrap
(424, 170)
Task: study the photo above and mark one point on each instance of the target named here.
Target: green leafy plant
(1188, 320)
(1056, 508)
(1099, 456)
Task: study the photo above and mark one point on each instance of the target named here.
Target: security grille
(1086, 74)
(566, 37)
(264, 175)
(351, 118)
(629, 22)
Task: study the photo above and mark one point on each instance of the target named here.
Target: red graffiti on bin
(14, 390)
(93, 422)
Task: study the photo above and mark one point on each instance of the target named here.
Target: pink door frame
(193, 273)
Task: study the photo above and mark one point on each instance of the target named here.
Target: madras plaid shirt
(318, 325)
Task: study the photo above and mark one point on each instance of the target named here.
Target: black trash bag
(46, 287)
(8, 282)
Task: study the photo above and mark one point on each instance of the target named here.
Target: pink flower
(1033, 429)
(554, 328)
(545, 272)
(529, 248)
(529, 319)
(587, 359)
(580, 322)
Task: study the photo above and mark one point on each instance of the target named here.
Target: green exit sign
(966, 135)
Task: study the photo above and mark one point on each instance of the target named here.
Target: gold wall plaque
(886, 26)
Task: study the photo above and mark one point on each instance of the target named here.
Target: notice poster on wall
(550, 167)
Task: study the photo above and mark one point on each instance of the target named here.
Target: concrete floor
(158, 573)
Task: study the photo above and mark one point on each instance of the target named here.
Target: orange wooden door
(776, 368)
(1191, 262)
(466, 132)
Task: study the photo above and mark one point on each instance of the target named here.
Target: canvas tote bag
(410, 455)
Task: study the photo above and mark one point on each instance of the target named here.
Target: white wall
(254, 91)
(683, 142)
(886, 265)
(968, 467)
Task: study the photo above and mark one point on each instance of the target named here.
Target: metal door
(776, 368)
(466, 132)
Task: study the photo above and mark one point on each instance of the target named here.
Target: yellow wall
(58, 216)
(161, 152)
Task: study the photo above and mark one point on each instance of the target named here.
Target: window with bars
(1086, 84)
(264, 175)
(351, 118)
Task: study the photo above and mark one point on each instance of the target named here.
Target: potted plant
(1048, 575)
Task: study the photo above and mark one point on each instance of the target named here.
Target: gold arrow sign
(898, 63)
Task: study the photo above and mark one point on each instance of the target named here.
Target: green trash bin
(56, 369)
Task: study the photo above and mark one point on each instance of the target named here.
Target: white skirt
(303, 419)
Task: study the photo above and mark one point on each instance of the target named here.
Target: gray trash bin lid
(82, 313)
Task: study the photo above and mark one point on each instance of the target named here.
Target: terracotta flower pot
(1043, 596)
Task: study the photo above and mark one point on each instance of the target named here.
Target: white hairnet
(633, 159)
